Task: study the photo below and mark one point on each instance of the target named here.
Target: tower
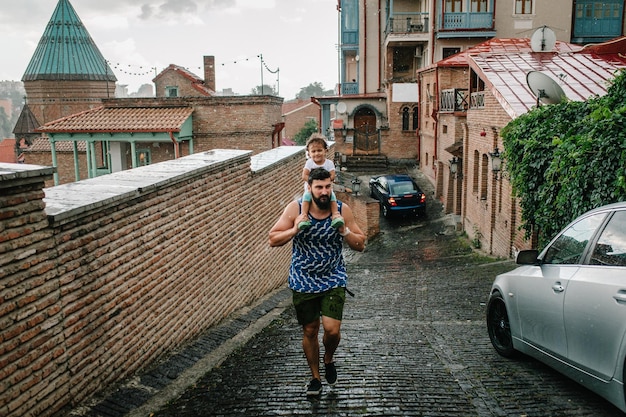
(67, 73)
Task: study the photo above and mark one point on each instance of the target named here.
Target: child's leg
(337, 219)
(306, 203)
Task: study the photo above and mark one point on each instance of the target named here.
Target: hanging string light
(142, 70)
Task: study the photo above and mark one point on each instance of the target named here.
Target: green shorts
(309, 307)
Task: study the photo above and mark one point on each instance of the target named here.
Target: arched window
(405, 118)
(415, 118)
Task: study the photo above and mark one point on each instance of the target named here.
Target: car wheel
(385, 210)
(499, 327)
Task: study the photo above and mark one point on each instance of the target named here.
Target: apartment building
(395, 101)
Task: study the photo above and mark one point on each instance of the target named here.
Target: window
(484, 172)
(409, 118)
(454, 6)
(171, 91)
(611, 246)
(524, 6)
(570, 245)
(450, 51)
(475, 171)
(478, 6)
(405, 118)
(143, 157)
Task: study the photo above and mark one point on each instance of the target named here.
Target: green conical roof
(67, 52)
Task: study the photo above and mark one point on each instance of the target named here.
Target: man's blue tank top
(317, 263)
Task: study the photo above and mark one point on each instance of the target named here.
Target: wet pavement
(414, 343)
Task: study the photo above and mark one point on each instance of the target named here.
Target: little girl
(316, 147)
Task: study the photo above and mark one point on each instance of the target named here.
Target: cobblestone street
(414, 344)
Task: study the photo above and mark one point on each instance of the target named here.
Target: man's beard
(323, 202)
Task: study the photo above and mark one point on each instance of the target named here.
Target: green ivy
(567, 158)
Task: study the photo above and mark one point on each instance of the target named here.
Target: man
(317, 276)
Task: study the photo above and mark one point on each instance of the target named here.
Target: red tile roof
(581, 73)
(121, 119)
(43, 145)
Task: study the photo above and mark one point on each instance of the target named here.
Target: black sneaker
(331, 373)
(314, 388)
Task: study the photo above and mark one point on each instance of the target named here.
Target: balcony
(467, 21)
(477, 100)
(407, 23)
(454, 100)
(349, 88)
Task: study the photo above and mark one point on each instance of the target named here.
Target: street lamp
(454, 168)
(356, 186)
(496, 162)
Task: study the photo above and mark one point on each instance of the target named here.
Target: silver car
(566, 306)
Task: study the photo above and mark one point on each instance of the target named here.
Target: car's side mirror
(527, 257)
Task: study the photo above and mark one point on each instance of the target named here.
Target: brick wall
(50, 100)
(96, 285)
(490, 213)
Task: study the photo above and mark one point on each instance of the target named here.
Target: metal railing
(454, 100)
(407, 23)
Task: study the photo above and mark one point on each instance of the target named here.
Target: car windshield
(402, 188)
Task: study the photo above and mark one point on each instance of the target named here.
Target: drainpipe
(364, 46)
(380, 22)
(176, 145)
(433, 18)
(436, 111)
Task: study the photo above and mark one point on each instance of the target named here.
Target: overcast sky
(298, 37)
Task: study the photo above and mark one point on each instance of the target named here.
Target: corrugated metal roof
(500, 46)
(66, 51)
(581, 73)
(121, 119)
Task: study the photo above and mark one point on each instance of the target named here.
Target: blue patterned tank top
(317, 263)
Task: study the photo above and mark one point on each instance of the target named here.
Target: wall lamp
(496, 162)
(356, 186)
(344, 130)
(454, 167)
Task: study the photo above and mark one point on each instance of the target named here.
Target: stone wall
(116, 271)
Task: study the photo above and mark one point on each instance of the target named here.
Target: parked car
(566, 306)
(397, 194)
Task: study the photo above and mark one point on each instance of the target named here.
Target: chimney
(209, 72)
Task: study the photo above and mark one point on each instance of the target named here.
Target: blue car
(398, 195)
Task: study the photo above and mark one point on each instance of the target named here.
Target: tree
(264, 90)
(309, 128)
(315, 89)
(565, 159)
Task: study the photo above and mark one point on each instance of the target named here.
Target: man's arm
(352, 233)
(287, 225)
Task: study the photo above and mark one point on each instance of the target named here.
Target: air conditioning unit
(418, 51)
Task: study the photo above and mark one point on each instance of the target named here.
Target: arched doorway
(366, 134)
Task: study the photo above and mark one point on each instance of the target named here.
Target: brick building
(467, 100)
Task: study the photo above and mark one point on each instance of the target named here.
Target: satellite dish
(341, 107)
(543, 40)
(544, 88)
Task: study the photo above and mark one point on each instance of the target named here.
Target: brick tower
(67, 73)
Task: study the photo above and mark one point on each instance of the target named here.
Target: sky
(297, 39)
